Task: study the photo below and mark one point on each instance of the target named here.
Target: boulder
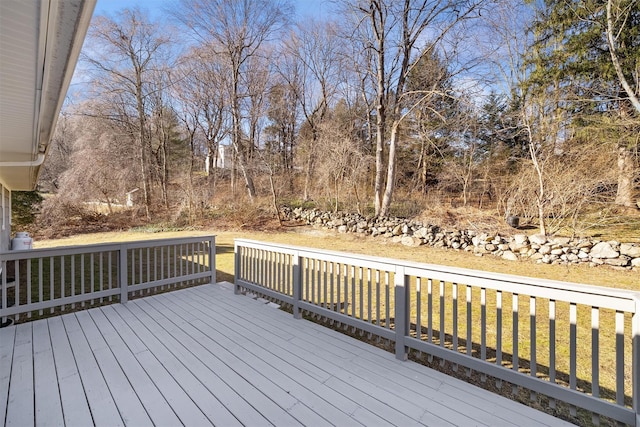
(562, 241)
(410, 241)
(630, 250)
(635, 262)
(538, 239)
(520, 239)
(508, 255)
(621, 261)
(603, 250)
(545, 249)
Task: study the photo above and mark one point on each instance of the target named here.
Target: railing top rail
(600, 296)
(98, 247)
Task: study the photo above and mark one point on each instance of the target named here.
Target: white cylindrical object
(22, 241)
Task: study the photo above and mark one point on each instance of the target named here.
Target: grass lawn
(320, 239)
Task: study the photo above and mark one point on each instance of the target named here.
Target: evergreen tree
(571, 61)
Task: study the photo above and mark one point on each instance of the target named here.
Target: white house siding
(5, 218)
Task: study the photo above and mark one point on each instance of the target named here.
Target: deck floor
(204, 356)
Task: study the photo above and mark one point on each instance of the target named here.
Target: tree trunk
(391, 172)
(624, 195)
(310, 166)
(237, 142)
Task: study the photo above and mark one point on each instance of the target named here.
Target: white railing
(55, 280)
(572, 343)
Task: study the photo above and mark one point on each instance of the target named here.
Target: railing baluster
(361, 290)
(82, 278)
(469, 343)
(101, 275)
(40, 283)
(52, 279)
(469, 318)
(552, 347)
(429, 310)
(442, 315)
(339, 272)
(498, 333)
(533, 335)
(386, 301)
(16, 287)
(515, 308)
(418, 310)
(110, 276)
(483, 329)
(377, 297)
(324, 284)
(331, 286)
(620, 358)
(595, 358)
(573, 333)
(454, 303)
(29, 285)
(353, 291)
(369, 295)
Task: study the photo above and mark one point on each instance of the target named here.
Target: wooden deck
(204, 356)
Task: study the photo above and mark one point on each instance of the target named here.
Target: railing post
(635, 355)
(212, 258)
(124, 268)
(297, 285)
(236, 268)
(402, 312)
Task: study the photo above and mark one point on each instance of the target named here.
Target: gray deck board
(204, 356)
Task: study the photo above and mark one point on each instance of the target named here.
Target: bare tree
(236, 30)
(123, 56)
(310, 66)
(396, 32)
(200, 89)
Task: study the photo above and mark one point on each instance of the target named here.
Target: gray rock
(630, 250)
(545, 249)
(572, 257)
(557, 251)
(621, 261)
(586, 245)
(635, 262)
(538, 239)
(603, 250)
(519, 247)
(520, 239)
(410, 241)
(342, 229)
(508, 255)
(563, 241)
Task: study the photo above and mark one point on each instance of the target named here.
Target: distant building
(220, 163)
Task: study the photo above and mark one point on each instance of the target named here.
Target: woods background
(224, 108)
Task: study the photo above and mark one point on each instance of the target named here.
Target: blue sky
(303, 7)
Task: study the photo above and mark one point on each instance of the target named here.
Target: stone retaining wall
(541, 249)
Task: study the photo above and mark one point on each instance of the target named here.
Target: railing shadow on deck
(44, 282)
(573, 344)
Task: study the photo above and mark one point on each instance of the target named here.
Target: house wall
(5, 218)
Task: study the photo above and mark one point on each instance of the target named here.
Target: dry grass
(320, 239)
